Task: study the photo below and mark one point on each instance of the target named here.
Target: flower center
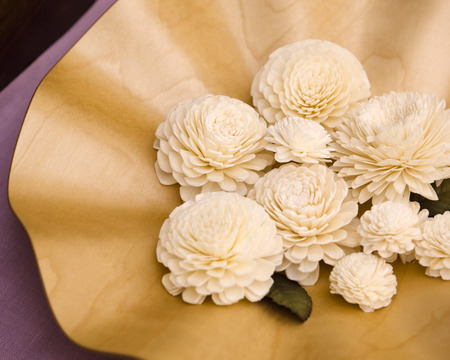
(310, 84)
(392, 218)
(210, 230)
(225, 126)
(294, 194)
(400, 127)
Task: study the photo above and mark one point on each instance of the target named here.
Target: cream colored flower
(211, 143)
(433, 250)
(310, 207)
(394, 144)
(364, 279)
(314, 79)
(300, 140)
(390, 229)
(222, 245)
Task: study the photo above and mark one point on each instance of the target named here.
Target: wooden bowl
(83, 181)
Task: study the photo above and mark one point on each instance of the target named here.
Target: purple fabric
(28, 329)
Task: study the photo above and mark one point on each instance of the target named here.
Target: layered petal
(211, 143)
(310, 207)
(364, 279)
(433, 249)
(391, 228)
(221, 244)
(313, 79)
(299, 140)
(393, 145)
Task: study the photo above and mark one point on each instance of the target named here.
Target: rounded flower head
(312, 213)
(314, 79)
(390, 228)
(394, 144)
(364, 279)
(300, 140)
(222, 245)
(433, 250)
(211, 143)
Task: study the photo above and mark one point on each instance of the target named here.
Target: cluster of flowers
(277, 187)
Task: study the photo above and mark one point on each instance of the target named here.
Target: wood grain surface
(83, 180)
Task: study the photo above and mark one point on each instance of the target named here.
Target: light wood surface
(83, 180)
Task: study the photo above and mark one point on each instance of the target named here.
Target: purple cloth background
(28, 329)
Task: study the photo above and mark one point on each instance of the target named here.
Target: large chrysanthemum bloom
(211, 143)
(433, 250)
(364, 279)
(313, 215)
(394, 144)
(314, 79)
(222, 245)
(299, 140)
(390, 229)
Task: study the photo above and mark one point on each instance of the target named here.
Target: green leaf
(438, 206)
(291, 295)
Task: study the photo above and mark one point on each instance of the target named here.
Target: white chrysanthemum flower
(364, 279)
(310, 207)
(314, 79)
(222, 245)
(211, 143)
(390, 229)
(394, 144)
(433, 250)
(300, 140)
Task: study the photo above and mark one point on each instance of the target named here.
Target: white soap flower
(300, 140)
(390, 229)
(211, 143)
(314, 79)
(364, 279)
(433, 250)
(310, 207)
(394, 144)
(222, 245)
